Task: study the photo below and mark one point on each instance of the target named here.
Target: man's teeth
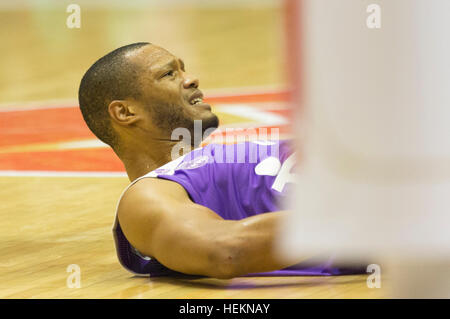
(196, 101)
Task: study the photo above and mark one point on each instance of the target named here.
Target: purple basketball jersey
(235, 181)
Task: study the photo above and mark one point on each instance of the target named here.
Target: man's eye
(170, 73)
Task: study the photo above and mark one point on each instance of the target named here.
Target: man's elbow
(227, 262)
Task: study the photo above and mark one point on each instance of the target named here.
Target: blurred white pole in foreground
(374, 178)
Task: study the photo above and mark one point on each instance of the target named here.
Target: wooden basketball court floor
(59, 186)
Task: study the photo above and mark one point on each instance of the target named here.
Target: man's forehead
(151, 56)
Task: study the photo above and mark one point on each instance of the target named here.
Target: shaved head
(112, 77)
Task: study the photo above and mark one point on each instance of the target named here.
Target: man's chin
(206, 125)
(203, 106)
(210, 124)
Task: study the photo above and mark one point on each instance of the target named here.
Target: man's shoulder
(154, 189)
(148, 199)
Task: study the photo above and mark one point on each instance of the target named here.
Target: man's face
(169, 95)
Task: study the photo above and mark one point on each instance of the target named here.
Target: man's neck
(141, 160)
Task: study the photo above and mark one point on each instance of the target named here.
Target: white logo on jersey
(195, 163)
(269, 166)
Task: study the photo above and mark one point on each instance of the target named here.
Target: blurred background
(227, 44)
(374, 179)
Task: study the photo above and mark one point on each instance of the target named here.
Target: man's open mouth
(195, 101)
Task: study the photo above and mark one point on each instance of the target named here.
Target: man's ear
(122, 112)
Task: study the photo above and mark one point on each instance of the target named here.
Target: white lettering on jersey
(284, 175)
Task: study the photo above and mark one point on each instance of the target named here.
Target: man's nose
(190, 82)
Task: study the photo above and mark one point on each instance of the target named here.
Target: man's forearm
(255, 244)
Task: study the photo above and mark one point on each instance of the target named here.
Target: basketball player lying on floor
(191, 215)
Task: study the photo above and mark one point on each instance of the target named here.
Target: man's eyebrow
(172, 63)
(181, 64)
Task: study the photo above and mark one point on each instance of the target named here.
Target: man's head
(141, 91)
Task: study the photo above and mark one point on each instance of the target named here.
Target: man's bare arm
(160, 220)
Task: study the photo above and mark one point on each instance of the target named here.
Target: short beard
(171, 117)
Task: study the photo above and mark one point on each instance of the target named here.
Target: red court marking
(250, 98)
(287, 113)
(42, 126)
(84, 160)
(53, 125)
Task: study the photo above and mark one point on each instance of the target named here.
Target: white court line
(60, 174)
(83, 144)
(263, 106)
